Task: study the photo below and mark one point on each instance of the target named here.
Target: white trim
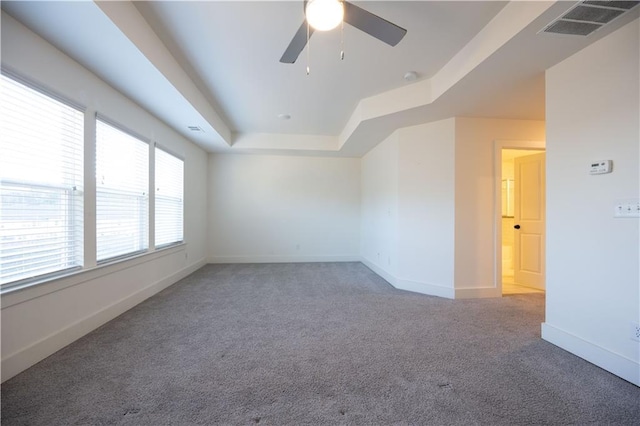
(15, 295)
(24, 358)
(477, 292)
(414, 286)
(379, 271)
(40, 88)
(169, 151)
(124, 129)
(498, 146)
(90, 234)
(282, 259)
(426, 288)
(151, 190)
(614, 363)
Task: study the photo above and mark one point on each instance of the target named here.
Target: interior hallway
(510, 287)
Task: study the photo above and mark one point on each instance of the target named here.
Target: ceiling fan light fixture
(324, 15)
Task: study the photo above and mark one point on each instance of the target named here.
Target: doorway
(519, 217)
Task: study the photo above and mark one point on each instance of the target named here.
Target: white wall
(592, 258)
(266, 208)
(39, 320)
(475, 198)
(426, 207)
(379, 209)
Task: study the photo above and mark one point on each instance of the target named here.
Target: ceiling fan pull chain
(342, 40)
(308, 48)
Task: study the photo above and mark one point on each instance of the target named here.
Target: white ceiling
(216, 65)
(234, 48)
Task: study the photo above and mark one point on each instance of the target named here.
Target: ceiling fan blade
(373, 25)
(298, 43)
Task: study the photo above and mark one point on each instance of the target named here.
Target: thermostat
(600, 167)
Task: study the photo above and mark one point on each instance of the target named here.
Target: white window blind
(122, 184)
(169, 178)
(41, 179)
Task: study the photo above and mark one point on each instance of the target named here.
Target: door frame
(498, 146)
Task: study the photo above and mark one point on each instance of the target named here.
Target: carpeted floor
(317, 344)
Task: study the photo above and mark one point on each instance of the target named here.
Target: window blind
(122, 184)
(169, 178)
(41, 184)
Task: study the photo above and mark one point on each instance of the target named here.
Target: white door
(529, 212)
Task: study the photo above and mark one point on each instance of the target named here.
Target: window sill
(20, 294)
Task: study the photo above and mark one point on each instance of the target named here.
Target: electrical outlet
(635, 331)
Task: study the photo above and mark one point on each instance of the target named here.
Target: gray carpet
(331, 343)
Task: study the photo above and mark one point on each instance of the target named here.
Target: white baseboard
(282, 259)
(477, 292)
(416, 287)
(379, 271)
(21, 360)
(426, 288)
(620, 366)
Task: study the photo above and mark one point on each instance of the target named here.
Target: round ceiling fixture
(411, 76)
(324, 15)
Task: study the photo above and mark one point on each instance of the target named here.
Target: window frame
(74, 220)
(26, 289)
(160, 147)
(146, 246)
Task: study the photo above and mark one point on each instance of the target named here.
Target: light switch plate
(627, 208)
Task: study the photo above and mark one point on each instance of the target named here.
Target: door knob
(516, 226)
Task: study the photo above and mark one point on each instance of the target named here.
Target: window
(169, 175)
(122, 184)
(41, 184)
(43, 222)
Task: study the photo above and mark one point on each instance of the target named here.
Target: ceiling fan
(339, 11)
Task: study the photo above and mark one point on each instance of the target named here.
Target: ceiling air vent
(588, 16)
